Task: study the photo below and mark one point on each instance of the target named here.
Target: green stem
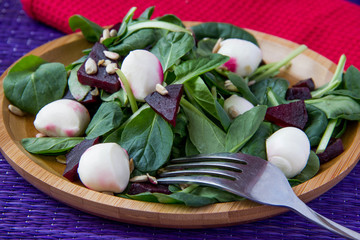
(157, 24)
(190, 188)
(326, 136)
(128, 90)
(271, 97)
(269, 72)
(335, 81)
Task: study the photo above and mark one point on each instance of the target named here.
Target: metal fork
(247, 176)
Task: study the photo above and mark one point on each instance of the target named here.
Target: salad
(150, 90)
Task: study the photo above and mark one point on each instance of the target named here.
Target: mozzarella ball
(236, 105)
(143, 71)
(62, 118)
(245, 56)
(288, 149)
(105, 167)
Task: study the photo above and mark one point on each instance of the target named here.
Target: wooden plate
(46, 174)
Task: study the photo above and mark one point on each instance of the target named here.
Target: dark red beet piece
(137, 188)
(89, 98)
(334, 149)
(73, 158)
(103, 80)
(167, 105)
(308, 83)
(293, 114)
(302, 93)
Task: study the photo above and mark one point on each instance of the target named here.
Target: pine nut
(61, 159)
(90, 66)
(113, 33)
(111, 55)
(230, 86)
(217, 45)
(111, 68)
(106, 33)
(16, 111)
(161, 89)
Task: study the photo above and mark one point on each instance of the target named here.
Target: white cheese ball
(62, 118)
(143, 71)
(236, 105)
(105, 167)
(245, 56)
(288, 149)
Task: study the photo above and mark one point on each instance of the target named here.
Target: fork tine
(233, 157)
(217, 164)
(197, 172)
(216, 182)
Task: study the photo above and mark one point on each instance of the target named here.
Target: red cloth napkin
(329, 27)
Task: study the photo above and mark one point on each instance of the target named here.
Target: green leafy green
(243, 88)
(244, 127)
(256, 145)
(337, 107)
(172, 47)
(278, 85)
(32, 83)
(50, 145)
(221, 30)
(89, 29)
(316, 125)
(204, 134)
(312, 167)
(78, 90)
(195, 67)
(148, 139)
(108, 117)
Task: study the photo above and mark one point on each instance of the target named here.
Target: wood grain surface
(45, 173)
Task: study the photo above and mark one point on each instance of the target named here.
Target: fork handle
(302, 209)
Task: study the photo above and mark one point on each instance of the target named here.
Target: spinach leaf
(278, 85)
(256, 145)
(310, 170)
(351, 79)
(190, 148)
(243, 128)
(108, 117)
(180, 197)
(202, 96)
(172, 47)
(214, 193)
(78, 90)
(316, 125)
(119, 96)
(170, 18)
(204, 134)
(337, 107)
(221, 30)
(138, 40)
(146, 15)
(195, 67)
(50, 145)
(148, 139)
(90, 30)
(205, 46)
(32, 83)
(243, 88)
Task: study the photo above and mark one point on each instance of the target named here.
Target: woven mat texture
(27, 213)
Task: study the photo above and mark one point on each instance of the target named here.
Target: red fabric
(329, 27)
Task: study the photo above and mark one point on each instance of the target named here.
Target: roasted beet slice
(334, 149)
(301, 93)
(166, 105)
(308, 83)
(73, 158)
(292, 114)
(101, 79)
(137, 188)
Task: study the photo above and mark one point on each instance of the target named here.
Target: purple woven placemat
(27, 213)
